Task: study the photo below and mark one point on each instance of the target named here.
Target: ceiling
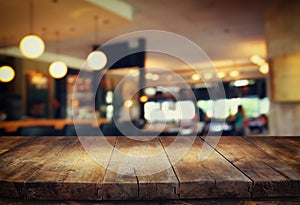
(229, 31)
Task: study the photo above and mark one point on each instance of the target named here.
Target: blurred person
(259, 125)
(204, 122)
(237, 121)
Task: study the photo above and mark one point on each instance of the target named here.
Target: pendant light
(96, 59)
(263, 65)
(58, 69)
(7, 73)
(31, 46)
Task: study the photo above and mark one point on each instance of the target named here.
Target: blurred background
(253, 49)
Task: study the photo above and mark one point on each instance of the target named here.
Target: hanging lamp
(96, 60)
(7, 73)
(31, 46)
(58, 69)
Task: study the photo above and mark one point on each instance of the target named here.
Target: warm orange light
(264, 68)
(144, 98)
(196, 77)
(257, 60)
(221, 74)
(128, 103)
(75, 103)
(234, 73)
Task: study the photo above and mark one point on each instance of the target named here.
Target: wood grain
(270, 177)
(73, 174)
(160, 182)
(19, 164)
(118, 186)
(114, 168)
(213, 177)
(141, 170)
(7, 143)
(287, 152)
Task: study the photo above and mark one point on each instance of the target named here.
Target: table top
(60, 168)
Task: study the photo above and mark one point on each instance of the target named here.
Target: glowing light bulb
(148, 76)
(128, 103)
(196, 77)
(7, 74)
(264, 68)
(155, 77)
(257, 60)
(32, 46)
(221, 74)
(208, 76)
(234, 73)
(58, 69)
(143, 98)
(96, 60)
(241, 83)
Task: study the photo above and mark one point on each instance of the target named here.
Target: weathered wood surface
(73, 174)
(210, 178)
(132, 174)
(8, 143)
(270, 176)
(157, 179)
(114, 168)
(285, 149)
(21, 163)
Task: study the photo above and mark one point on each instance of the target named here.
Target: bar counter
(239, 168)
(13, 125)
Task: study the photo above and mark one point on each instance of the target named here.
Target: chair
(37, 131)
(80, 130)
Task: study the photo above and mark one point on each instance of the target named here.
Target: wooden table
(239, 169)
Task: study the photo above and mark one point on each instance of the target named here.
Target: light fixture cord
(96, 29)
(57, 44)
(31, 15)
(5, 45)
(4, 42)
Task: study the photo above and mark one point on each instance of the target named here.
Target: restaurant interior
(194, 68)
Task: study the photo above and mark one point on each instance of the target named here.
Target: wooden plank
(52, 168)
(73, 174)
(10, 142)
(84, 182)
(139, 169)
(19, 164)
(213, 177)
(116, 185)
(285, 149)
(156, 178)
(270, 177)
